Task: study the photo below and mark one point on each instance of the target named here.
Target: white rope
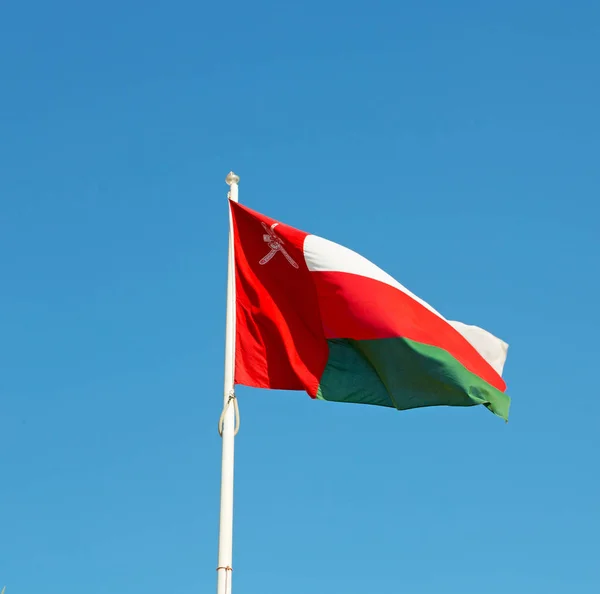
(237, 414)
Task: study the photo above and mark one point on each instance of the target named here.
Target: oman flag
(313, 315)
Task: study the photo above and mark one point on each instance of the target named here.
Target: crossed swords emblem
(275, 244)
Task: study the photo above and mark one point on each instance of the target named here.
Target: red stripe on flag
(279, 337)
(362, 308)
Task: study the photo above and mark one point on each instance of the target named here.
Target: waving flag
(313, 315)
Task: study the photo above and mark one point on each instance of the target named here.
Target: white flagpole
(227, 423)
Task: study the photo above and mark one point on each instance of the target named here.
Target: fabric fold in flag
(313, 315)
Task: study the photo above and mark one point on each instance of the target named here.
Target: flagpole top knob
(232, 178)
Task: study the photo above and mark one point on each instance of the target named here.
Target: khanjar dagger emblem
(275, 244)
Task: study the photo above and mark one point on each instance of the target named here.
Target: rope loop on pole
(231, 399)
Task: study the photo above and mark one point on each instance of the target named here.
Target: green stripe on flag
(403, 374)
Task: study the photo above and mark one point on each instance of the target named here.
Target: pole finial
(232, 178)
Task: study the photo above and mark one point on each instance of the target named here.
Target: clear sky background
(454, 143)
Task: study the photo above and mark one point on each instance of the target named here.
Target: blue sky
(455, 144)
